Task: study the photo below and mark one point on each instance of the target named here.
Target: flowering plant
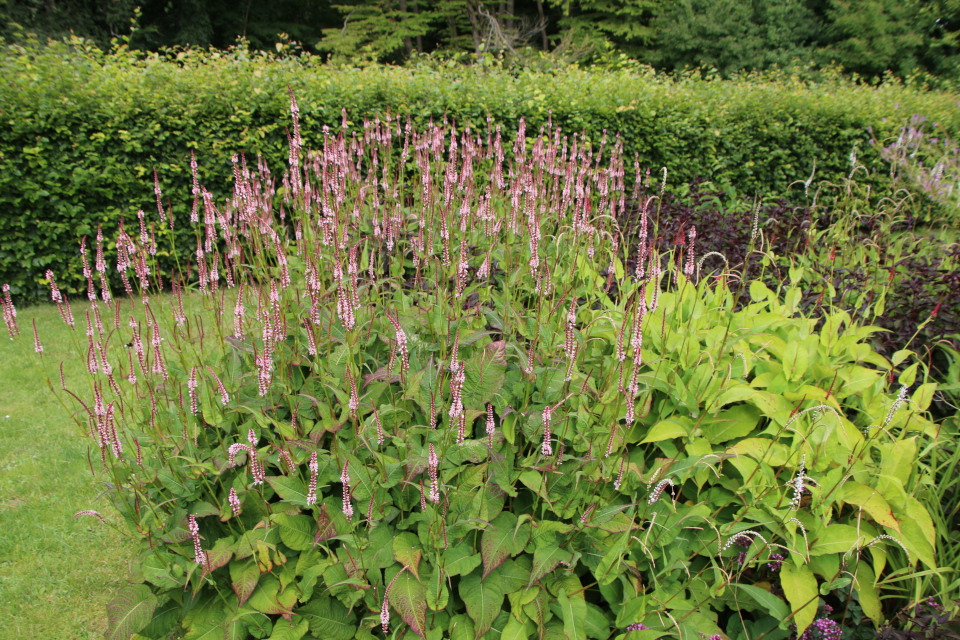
(393, 391)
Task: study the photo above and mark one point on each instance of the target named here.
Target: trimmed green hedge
(82, 131)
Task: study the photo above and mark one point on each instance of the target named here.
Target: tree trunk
(543, 21)
(407, 44)
(416, 10)
(472, 15)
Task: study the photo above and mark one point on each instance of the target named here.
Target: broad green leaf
(795, 360)
(462, 628)
(289, 489)
(598, 625)
(484, 599)
(502, 540)
(836, 538)
(297, 532)
(460, 560)
(763, 449)
(538, 608)
(872, 502)
(866, 589)
(485, 373)
(574, 613)
(129, 611)
(774, 605)
(221, 553)
(800, 587)
(244, 577)
(328, 619)
(735, 422)
(666, 430)
(269, 599)
(546, 559)
(437, 592)
(283, 630)
(207, 630)
(514, 630)
(409, 597)
(406, 550)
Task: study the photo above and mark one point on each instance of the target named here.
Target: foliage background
(866, 37)
(83, 131)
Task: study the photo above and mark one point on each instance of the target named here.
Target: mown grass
(56, 573)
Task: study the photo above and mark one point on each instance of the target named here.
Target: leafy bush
(424, 408)
(84, 131)
(862, 252)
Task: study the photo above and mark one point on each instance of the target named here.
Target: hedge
(83, 131)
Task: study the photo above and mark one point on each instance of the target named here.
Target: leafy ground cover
(434, 397)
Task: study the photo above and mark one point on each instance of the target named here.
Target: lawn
(56, 573)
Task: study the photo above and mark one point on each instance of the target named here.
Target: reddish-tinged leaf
(406, 551)
(130, 611)
(325, 527)
(502, 540)
(221, 553)
(244, 577)
(409, 597)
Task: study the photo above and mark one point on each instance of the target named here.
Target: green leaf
(484, 599)
(598, 626)
(267, 597)
(461, 628)
(460, 560)
(872, 502)
(774, 605)
(795, 360)
(437, 593)
(244, 577)
(538, 608)
(574, 613)
(502, 540)
(665, 430)
(836, 538)
(514, 630)
(221, 553)
(283, 630)
(866, 589)
(409, 597)
(328, 619)
(297, 532)
(485, 373)
(406, 550)
(735, 422)
(800, 587)
(129, 611)
(546, 559)
(289, 489)
(207, 630)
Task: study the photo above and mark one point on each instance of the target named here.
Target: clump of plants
(424, 397)
(860, 251)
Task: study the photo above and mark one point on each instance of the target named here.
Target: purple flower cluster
(638, 626)
(775, 561)
(822, 629)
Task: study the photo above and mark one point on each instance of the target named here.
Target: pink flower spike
(314, 468)
(94, 514)
(345, 479)
(36, 339)
(234, 502)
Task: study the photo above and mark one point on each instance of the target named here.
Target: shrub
(423, 408)
(862, 251)
(84, 131)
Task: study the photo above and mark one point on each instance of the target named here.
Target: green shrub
(83, 131)
(611, 449)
